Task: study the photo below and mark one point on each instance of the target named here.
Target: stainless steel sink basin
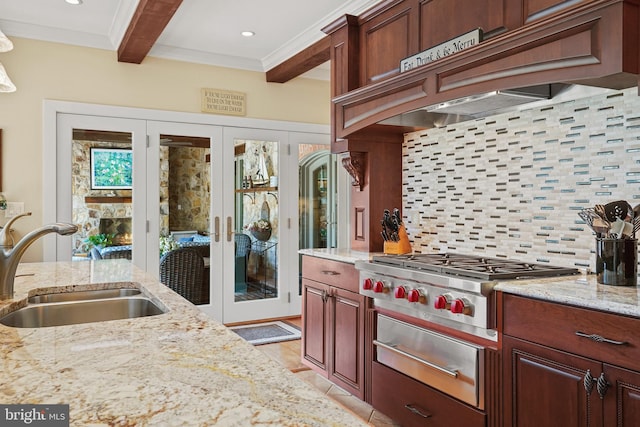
(75, 312)
(84, 295)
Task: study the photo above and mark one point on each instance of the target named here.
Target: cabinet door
(622, 401)
(346, 348)
(314, 324)
(544, 387)
(386, 39)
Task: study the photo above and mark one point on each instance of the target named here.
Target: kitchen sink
(74, 312)
(84, 295)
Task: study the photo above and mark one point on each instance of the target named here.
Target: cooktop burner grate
(475, 267)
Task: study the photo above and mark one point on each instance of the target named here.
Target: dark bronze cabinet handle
(330, 273)
(325, 296)
(598, 338)
(413, 408)
(588, 382)
(602, 385)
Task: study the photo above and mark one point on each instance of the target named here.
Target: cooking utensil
(601, 227)
(598, 224)
(599, 209)
(621, 229)
(636, 220)
(618, 209)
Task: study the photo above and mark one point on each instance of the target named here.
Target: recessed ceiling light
(74, 2)
(248, 33)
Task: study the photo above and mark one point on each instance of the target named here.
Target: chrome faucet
(10, 255)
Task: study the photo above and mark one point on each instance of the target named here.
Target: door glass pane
(256, 220)
(185, 197)
(102, 165)
(317, 198)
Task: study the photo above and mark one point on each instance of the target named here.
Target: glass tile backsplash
(512, 185)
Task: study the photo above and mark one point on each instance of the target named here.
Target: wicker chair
(201, 247)
(243, 248)
(243, 244)
(182, 270)
(117, 253)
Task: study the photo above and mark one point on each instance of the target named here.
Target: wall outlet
(13, 209)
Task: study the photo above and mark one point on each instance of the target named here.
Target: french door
(79, 195)
(248, 177)
(257, 196)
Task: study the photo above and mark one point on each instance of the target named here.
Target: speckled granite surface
(179, 368)
(580, 290)
(343, 255)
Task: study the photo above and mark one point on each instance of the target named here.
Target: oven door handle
(390, 347)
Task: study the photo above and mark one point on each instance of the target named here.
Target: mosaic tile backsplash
(511, 185)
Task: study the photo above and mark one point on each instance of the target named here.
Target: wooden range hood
(526, 43)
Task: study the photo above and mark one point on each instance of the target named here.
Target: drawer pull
(598, 338)
(390, 347)
(602, 385)
(588, 382)
(330, 273)
(413, 408)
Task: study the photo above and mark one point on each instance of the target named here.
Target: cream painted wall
(50, 71)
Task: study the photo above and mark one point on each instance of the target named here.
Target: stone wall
(88, 215)
(189, 189)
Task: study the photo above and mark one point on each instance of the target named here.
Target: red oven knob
(416, 295)
(460, 306)
(442, 302)
(379, 287)
(367, 284)
(400, 292)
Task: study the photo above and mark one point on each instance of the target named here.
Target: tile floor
(288, 354)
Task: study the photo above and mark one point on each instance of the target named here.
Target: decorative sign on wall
(223, 102)
(455, 45)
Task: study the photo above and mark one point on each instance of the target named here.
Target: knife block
(401, 247)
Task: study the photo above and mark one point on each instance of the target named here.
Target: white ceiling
(202, 31)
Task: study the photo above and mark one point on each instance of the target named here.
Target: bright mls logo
(34, 415)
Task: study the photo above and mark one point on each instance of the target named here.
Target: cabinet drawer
(339, 274)
(412, 403)
(556, 325)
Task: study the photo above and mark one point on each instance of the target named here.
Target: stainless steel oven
(450, 365)
(436, 328)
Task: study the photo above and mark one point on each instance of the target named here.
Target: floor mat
(268, 332)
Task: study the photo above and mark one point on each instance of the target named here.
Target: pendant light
(6, 85)
(5, 43)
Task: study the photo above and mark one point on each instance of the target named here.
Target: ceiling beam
(147, 23)
(316, 54)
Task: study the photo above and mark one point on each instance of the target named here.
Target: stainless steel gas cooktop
(474, 267)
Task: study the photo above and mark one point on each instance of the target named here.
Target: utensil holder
(617, 261)
(400, 247)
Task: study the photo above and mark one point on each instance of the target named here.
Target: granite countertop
(579, 290)
(339, 254)
(177, 368)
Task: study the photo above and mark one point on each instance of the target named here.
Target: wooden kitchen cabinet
(333, 323)
(547, 366)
